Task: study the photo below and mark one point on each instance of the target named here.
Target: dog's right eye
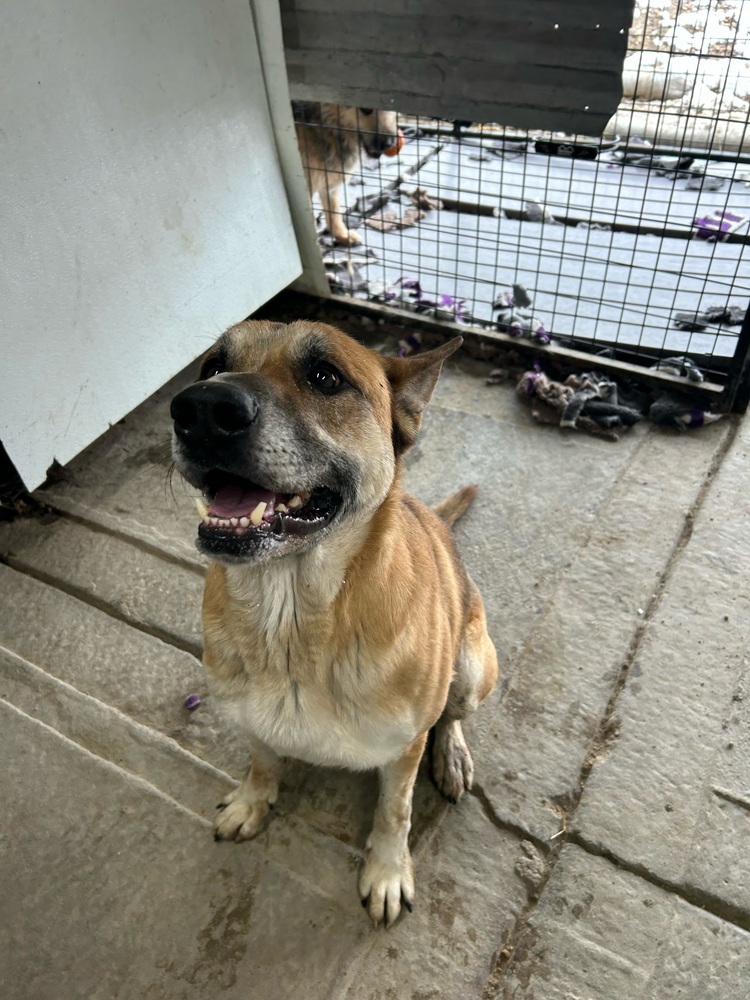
(325, 378)
(212, 367)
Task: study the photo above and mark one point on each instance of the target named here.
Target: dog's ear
(412, 382)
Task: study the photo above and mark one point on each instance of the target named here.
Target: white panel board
(141, 203)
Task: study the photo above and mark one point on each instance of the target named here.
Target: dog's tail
(451, 509)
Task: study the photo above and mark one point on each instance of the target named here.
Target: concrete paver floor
(605, 849)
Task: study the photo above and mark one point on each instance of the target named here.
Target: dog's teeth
(295, 502)
(244, 522)
(202, 508)
(281, 508)
(234, 521)
(257, 515)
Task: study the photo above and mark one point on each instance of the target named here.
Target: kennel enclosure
(625, 224)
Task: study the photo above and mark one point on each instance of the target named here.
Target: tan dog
(330, 138)
(340, 625)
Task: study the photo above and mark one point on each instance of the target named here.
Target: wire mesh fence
(635, 243)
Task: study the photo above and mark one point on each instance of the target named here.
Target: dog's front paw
(347, 238)
(452, 766)
(242, 816)
(386, 882)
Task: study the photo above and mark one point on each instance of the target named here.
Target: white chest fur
(303, 725)
(294, 694)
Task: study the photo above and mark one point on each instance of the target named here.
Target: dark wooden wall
(547, 64)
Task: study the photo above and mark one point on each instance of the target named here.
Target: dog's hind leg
(244, 810)
(387, 879)
(474, 678)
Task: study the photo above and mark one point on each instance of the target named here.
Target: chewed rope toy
(590, 402)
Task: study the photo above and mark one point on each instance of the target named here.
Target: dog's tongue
(238, 501)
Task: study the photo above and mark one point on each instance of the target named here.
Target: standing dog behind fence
(330, 138)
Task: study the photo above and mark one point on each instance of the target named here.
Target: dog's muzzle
(216, 428)
(377, 143)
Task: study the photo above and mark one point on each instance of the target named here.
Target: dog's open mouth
(237, 511)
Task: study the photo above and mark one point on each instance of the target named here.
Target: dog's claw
(241, 818)
(387, 882)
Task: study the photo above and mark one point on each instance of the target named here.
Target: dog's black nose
(213, 409)
(379, 142)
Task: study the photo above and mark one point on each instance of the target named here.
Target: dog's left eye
(325, 378)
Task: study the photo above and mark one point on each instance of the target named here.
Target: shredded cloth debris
(730, 315)
(591, 402)
(537, 211)
(673, 411)
(515, 316)
(675, 167)
(680, 367)
(424, 200)
(384, 222)
(705, 182)
(345, 276)
(717, 225)
(407, 293)
(587, 402)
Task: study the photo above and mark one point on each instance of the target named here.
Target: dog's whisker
(169, 481)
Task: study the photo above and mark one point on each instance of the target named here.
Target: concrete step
(128, 582)
(130, 670)
(108, 733)
(111, 889)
